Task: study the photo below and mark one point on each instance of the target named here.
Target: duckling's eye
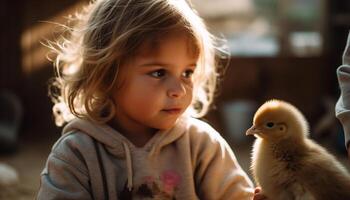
(270, 124)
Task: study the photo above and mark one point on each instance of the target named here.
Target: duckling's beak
(252, 131)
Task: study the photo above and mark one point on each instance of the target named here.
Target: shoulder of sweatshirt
(200, 128)
(203, 135)
(73, 147)
(73, 140)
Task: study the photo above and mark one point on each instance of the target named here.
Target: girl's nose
(176, 89)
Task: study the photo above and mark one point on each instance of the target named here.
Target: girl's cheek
(189, 87)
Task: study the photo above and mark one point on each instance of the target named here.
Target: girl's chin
(166, 125)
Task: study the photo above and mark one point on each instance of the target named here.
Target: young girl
(131, 77)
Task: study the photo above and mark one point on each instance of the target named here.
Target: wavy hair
(103, 36)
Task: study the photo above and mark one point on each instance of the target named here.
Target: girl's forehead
(152, 46)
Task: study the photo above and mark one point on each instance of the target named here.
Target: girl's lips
(173, 110)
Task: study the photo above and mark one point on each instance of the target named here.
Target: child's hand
(258, 194)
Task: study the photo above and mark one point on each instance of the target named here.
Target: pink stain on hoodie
(170, 180)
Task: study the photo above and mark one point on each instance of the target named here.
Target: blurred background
(285, 49)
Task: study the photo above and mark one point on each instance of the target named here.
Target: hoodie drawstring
(152, 152)
(128, 165)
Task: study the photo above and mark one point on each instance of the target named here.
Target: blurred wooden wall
(24, 68)
(10, 52)
(304, 82)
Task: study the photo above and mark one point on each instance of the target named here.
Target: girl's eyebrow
(151, 64)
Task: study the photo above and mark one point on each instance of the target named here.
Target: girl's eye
(270, 124)
(188, 73)
(158, 73)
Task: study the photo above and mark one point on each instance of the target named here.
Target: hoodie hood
(114, 140)
(121, 147)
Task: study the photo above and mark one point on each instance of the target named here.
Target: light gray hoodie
(342, 108)
(189, 161)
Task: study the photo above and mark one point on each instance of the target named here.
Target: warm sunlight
(34, 54)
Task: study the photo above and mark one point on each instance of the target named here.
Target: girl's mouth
(173, 110)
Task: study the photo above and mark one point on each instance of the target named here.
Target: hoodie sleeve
(342, 108)
(217, 173)
(64, 176)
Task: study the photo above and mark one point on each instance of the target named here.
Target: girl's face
(156, 85)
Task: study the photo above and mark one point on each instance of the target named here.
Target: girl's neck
(136, 134)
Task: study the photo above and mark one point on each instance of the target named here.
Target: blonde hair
(105, 35)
